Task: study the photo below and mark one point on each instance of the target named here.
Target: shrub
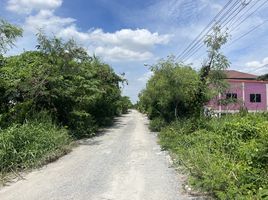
(31, 144)
(226, 157)
(157, 124)
(82, 124)
(61, 78)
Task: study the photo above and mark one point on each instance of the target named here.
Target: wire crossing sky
(126, 33)
(229, 20)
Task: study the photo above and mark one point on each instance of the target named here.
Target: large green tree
(79, 91)
(170, 92)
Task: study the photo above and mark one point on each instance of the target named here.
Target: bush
(31, 144)
(226, 157)
(79, 91)
(157, 124)
(82, 124)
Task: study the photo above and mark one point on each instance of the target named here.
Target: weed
(226, 157)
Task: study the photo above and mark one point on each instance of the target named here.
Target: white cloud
(124, 44)
(46, 20)
(128, 38)
(145, 77)
(27, 6)
(258, 67)
(119, 54)
(71, 31)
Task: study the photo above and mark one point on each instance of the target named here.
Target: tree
(169, 93)
(124, 104)
(77, 90)
(263, 77)
(8, 35)
(211, 75)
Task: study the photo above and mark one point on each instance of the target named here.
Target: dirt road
(125, 163)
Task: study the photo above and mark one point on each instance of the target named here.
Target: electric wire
(233, 23)
(231, 27)
(223, 19)
(250, 31)
(202, 32)
(259, 7)
(226, 21)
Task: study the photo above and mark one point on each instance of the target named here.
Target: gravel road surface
(124, 163)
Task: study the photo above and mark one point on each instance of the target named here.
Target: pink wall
(255, 88)
(251, 87)
(235, 87)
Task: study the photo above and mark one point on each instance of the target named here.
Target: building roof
(233, 74)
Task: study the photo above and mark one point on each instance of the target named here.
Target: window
(231, 96)
(255, 98)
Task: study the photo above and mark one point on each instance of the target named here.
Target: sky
(131, 35)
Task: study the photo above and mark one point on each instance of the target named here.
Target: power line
(251, 30)
(256, 69)
(261, 5)
(224, 19)
(235, 21)
(245, 4)
(239, 11)
(247, 33)
(212, 21)
(201, 44)
(200, 40)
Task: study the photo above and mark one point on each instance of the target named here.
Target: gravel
(123, 163)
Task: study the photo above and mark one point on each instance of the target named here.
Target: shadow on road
(116, 124)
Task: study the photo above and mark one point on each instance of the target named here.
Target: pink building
(244, 91)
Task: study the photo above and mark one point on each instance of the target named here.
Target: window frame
(256, 98)
(231, 95)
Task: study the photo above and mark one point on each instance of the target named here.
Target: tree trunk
(176, 111)
(203, 77)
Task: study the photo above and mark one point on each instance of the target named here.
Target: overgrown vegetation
(79, 93)
(31, 144)
(170, 93)
(77, 90)
(227, 157)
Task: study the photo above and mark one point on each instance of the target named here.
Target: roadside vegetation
(226, 158)
(31, 144)
(50, 97)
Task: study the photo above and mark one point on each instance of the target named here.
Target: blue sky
(128, 33)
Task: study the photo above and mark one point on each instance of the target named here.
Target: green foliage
(59, 80)
(8, 34)
(214, 42)
(170, 92)
(124, 105)
(81, 124)
(226, 157)
(157, 124)
(263, 77)
(79, 91)
(31, 144)
(211, 73)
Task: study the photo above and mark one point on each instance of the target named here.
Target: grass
(227, 157)
(31, 145)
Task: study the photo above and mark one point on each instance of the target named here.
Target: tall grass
(226, 157)
(31, 144)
